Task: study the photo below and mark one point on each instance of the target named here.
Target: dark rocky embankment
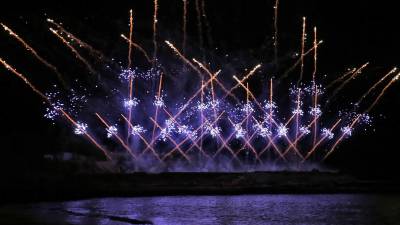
(48, 187)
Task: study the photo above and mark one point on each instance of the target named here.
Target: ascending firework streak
(303, 36)
(297, 113)
(212, 86)
(299, 137)
(186, 105)
(352, 76)
(206, 22)
(183, 58)
(216, 80)
(271, 142)
(270, 101)
(315, 87)
(270, 117)
(242, 80)
(184, 26)
(65, 114)
(341, 137)
(286, 73)
(184, 127)
(348, 72)
(157, 107)
(202, 113)
(199, 27)
(155, 21)
(375, 85)
(276, 9)
(127, 148)
(137, 47)
(315, 112)
(201, 136)
(83, 60)
(144, 140)
(34, 53)
(248, 114)
(171, 117)
(383, 91)
(130, 39)
(349, 128)
(94, 52)
(130, 88)
(315, 46)
(173, 141)
(247, 109)
(315, 146)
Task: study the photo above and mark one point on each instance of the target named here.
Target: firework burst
(210, 121)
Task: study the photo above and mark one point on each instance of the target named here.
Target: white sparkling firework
(213, 130)
(247, 108)
(327, 133)
(152, 73)
(297, 112)
(80, 128)
(239, 131)
(159, 101)
(111, 130)
(163, 134)
(130, 103)
(282, 130)
(137, 130)
(127, 74)
(214, 104)
(170, 125)
(366, 119)
(315, 111)
(305, 130)
(294, 90)
(347, 130)
(53, 111)
(270, 106)
(201, 106)
(262, 131)
(186, 110)
(185, 130)
(167, 130)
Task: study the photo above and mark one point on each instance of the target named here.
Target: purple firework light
(208, 124)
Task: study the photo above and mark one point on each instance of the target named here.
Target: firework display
(198, 116)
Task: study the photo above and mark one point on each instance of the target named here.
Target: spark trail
(35, 54)
(155, 21)
(303, 36)
(375, 85)
(383, 92)
(184, 25)
(196, 117)
(76, 53)
(44, 97)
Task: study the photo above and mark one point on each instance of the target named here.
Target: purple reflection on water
(331, 209)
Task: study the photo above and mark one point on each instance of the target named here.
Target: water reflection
(211, 210)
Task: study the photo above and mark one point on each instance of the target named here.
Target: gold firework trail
(35, 54)
(66, 43)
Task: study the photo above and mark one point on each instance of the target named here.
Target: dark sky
(354, 32)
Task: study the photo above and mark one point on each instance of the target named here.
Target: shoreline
(62, 187)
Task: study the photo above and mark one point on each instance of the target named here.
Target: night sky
(353, 33)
